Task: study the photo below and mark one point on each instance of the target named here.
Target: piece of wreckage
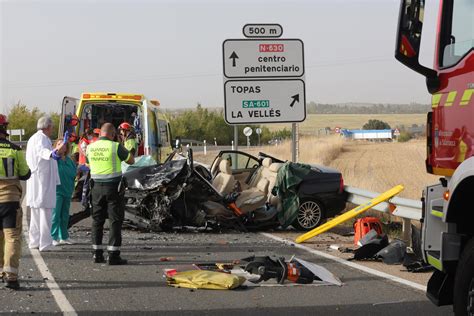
(181, 193)
(252, 271)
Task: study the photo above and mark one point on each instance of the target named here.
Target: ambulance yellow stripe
(435, 99)
(466, 97)
(450, 98)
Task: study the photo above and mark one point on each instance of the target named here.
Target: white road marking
(349, 263)
(61, 300)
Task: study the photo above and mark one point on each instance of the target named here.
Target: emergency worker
(127, 136)
(104, 158)
(95, 134)
(85, 140)
(12, 169)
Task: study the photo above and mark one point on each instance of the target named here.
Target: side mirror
(407, 48)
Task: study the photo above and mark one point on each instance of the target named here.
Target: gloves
(54, 155)
(83, 168)
(66, 137)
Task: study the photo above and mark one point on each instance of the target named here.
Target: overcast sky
(172, 50)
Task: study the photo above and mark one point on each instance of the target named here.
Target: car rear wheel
(310, 215)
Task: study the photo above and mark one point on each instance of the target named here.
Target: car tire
(464, 282)
(310, 215)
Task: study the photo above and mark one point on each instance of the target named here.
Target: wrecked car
(304, 194)
(238, 191)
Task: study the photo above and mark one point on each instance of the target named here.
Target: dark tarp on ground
(288, 178)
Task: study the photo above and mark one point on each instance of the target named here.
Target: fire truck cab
(151, 127)
(448, 216)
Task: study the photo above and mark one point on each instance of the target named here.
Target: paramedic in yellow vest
(13, 168)
(104, 159)
(128, 138)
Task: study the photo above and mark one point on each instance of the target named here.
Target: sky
(172, 50)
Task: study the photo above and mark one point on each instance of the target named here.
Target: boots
(12, 284)
(9, 282)
(98, 256)
(115, 259)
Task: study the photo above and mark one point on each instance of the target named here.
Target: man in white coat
(41, 187)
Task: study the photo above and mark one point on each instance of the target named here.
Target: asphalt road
(141, 288)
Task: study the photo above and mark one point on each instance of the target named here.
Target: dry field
(372, 166)
(314, 122)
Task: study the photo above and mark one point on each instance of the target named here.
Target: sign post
(248, 132)
(258, 130)
(264, 79)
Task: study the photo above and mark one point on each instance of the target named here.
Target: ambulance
(151, 127)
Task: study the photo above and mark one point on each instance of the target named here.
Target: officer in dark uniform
(13, 168)
(104, 158)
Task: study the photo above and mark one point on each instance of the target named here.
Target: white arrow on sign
(263, 58)
(264, 101)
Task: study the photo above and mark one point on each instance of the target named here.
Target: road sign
(247, 131)
(263, 58)
(258, 130)
(264, 101)
(262, 30)
(16, 132)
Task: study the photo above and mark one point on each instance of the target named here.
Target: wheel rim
(309, 214)
(470, 299)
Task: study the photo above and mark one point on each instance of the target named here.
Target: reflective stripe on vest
(103, 160)
(7, 164)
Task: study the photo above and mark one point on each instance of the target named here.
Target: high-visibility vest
(130, 144)
(104, 161)
(12, 161)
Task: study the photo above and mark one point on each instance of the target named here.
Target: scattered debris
(371, 243)
(256, 271)
(394, 253)
(363, 225)
(167, 258)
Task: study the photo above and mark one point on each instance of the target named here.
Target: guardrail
(405, 208)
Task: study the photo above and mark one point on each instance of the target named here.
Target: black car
(320, 192)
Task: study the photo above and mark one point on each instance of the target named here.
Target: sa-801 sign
(264, 101)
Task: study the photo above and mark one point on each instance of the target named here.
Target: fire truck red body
(448, 210)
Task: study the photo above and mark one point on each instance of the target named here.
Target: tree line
(205, 124)
(198, 124)
(352, 108)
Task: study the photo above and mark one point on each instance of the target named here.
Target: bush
(404, 137)
(376, 124)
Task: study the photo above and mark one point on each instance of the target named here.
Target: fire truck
(151, 127)
(448, 216)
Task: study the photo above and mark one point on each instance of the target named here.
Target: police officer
(104, 158)
(13, 168)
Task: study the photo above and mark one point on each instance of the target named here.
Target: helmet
(125, 126)
(96, 131)
(3, 120)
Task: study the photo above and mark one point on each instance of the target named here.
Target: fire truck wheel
(464, 282)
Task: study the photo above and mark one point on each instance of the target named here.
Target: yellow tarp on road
(199, 279)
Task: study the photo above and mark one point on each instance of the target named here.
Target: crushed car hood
(152, 177)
